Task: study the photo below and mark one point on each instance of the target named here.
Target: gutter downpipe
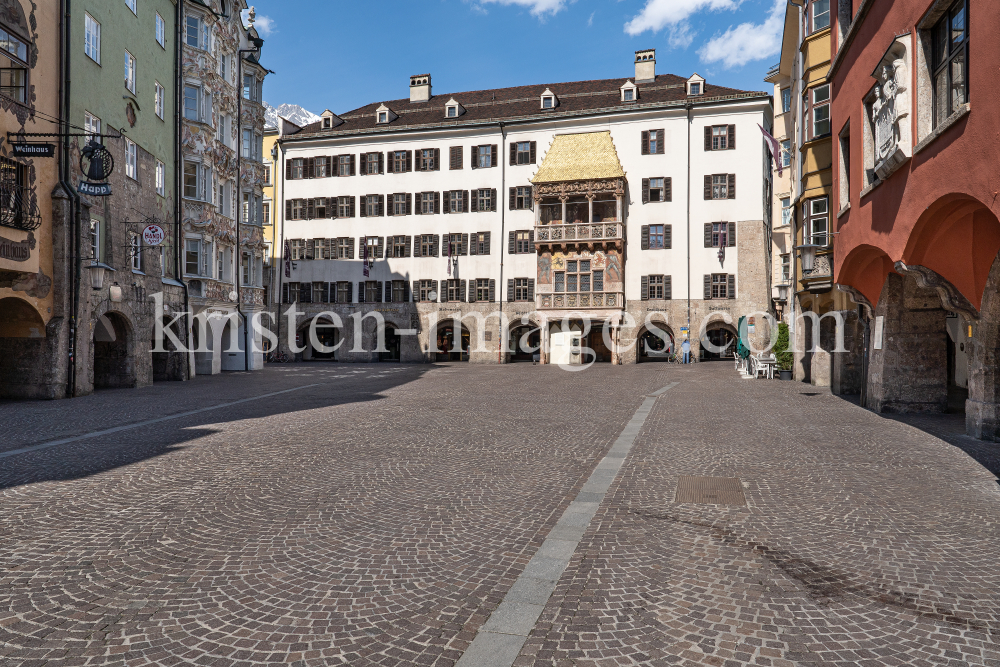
(278, 206)
(501, 197)
(73, 251)
(178, 168)
(688, 108)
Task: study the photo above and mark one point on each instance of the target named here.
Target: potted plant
(782, 354)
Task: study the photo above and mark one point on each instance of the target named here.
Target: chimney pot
(420, 87)
(645, 66)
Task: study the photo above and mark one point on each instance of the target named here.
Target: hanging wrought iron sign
(153, 235)
(96, 162)
(33, 150)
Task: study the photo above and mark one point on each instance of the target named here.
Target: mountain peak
(291, 112)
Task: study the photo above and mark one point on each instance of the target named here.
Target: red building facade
(916, 112)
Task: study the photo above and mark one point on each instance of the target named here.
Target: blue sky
(342, 54)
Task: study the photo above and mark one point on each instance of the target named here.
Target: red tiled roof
(523, 103)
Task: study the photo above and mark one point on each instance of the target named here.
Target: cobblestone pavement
(377, 515)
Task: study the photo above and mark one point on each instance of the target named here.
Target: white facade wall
(746, 161)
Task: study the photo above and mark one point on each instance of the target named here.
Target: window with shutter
(513, 154)
(708, 187)
(533, 147)
(732, 235)
(732, 137)
(732, 286)
(474, 153)
(455, 157)
(644, 242)
(708, 286)
(668, 241)
(667, 288)
(645, 142)
(644, 288)
(510, 289)
(731, 192)
(645, 191)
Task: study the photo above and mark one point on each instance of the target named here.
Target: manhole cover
(710, 491)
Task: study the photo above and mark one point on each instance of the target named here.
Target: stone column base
(982, 420)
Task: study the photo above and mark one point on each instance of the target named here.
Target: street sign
(34, 150)
(94, 189)
(153, 235)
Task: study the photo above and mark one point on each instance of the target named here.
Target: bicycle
(277, 357)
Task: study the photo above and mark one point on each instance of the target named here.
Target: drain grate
(710, 491)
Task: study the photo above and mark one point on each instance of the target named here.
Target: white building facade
(623, 203)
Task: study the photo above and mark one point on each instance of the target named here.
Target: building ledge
(958, 115)
(847, 207)
(171, 281)
(867, 191)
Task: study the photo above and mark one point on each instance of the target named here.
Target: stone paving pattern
(379, 517)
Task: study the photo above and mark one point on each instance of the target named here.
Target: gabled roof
(576, 157)
(521, 103)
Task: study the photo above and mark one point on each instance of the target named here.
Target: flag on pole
(364, 256)
(775, 148)
(288, 259)
(723, 242)
(448, 237)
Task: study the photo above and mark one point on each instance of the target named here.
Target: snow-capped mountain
(292, 112)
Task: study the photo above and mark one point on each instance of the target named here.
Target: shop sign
(94, 189)
(153, 235)
(16, 251)
(33, 150)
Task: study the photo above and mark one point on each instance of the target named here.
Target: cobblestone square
(385, 514)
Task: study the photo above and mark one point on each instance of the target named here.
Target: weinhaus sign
(16, 251)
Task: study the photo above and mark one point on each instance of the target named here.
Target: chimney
(420, 87)
(645, 66)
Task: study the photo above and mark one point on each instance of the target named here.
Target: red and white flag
(775, 147)
(449, 253)
(364, 256)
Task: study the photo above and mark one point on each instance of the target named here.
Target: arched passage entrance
(446, 342)
(114, 361)
(168, 365)
(524, 342)
(393, 344)
(655, 345)
(718, 342)
(23, 351)
(327, 336)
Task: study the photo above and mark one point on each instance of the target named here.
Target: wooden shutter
(511, 249)
(352, 164)
(532, 156)
(495, 156)
(493, 199)
(732, 235)
(455, 157)
(531, 241)
(407, 292)
(493, 290)
(381, 205)
(364, 206)
(644, 244)
(409, 161)
(486, 244)
(390, 164)
(708, 137)
(443, 292)
(644, 288)
(361, 291)
(407, 244)
(327, 291)
(732, 137)
(465, 201)
(645, 191)
(288, 209)
(531, 289)
(660, 141)
(667, 288)
(463, 249)
(437, 202)
(305, 292)
(708, 285)
(668, 189)
(708, 186)
(472, 290)
(350, 248)
(732, 186)
(461, 290)
(475, 156)
(474, 246)
(513, 199)
(378, 291)
(708, 234)
(435, 244)
(284, 293)
(645, 142)
(668, 241)
(352, 206)
(364, 164)
(513, 153)
(310, 167)
(388, 292)
(409, 203)
(447, 203)
(731, 292)
(437, 159)
(380, 250)
(510, 289)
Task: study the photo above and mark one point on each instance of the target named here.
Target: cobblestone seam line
(499, 641)
(116, 429)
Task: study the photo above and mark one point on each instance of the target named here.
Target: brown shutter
(472, 290)
(388, 291)
(732, 137)
(474, 247)
(531, 241)
(463, 249)
(447, 203)
(310, 209)
(532, 157)
(513, 198)
(288, 209)
(493, 199)
(381, 162)
(668, 292)
(435, 238)
(668, 189)
(352, 203)
(731, 292)
(493, 290)
(495, 156)
(486, 244)
(364, 206)
(437, 159)
(644, 288)
(732, 235)
(409, 160)
(364, 163)
(513, 153)
(708, 186)
(352, 164)
(510, 289)
(381, 205)
(645, 191)
(732, 186)
(511, 248)
(455, 157)
(465, 201)
(288, 169)
(407, 244)
(708, 137)
(660, 147)
(708, 286)
(531, 289)
(462, 291)
(310, 167)
(409, 203)
(437, 202)
(645, 142)
(475, 156)
(708, 234)
(668, 241)
(644, 243)
(350, 248)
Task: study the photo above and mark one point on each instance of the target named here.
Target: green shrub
(781, 352)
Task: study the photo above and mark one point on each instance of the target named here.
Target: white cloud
(590, 21)
(538, 7)
(747, 41)
(673, 14)
(264, 25)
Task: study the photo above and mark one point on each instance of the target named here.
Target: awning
(576, 157)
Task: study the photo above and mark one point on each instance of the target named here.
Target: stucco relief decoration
(891, 109)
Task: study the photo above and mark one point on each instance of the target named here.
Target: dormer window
(452, 112)
(549, 100)
(452, 109)
(327, 122)
(629, 91)
(627, 95)
(696, 85)
(696, 89)
(383, 117)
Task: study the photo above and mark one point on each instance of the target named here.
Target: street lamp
(807, 251)
(97, 272)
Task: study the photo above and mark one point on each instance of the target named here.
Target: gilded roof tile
(575, 157)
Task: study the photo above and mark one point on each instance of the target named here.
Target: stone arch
(19, 319)
(443, 340)
(524, 341)
(168, 365)
(25, 349)
(326, 335)
(720, 334)
(114, 354)
(982, 409)
(650, 346)
(232, 343)
(864, 270)
(958, 239)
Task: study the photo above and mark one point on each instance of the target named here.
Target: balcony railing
(18, 207)
(581, 232)
(580, 300)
